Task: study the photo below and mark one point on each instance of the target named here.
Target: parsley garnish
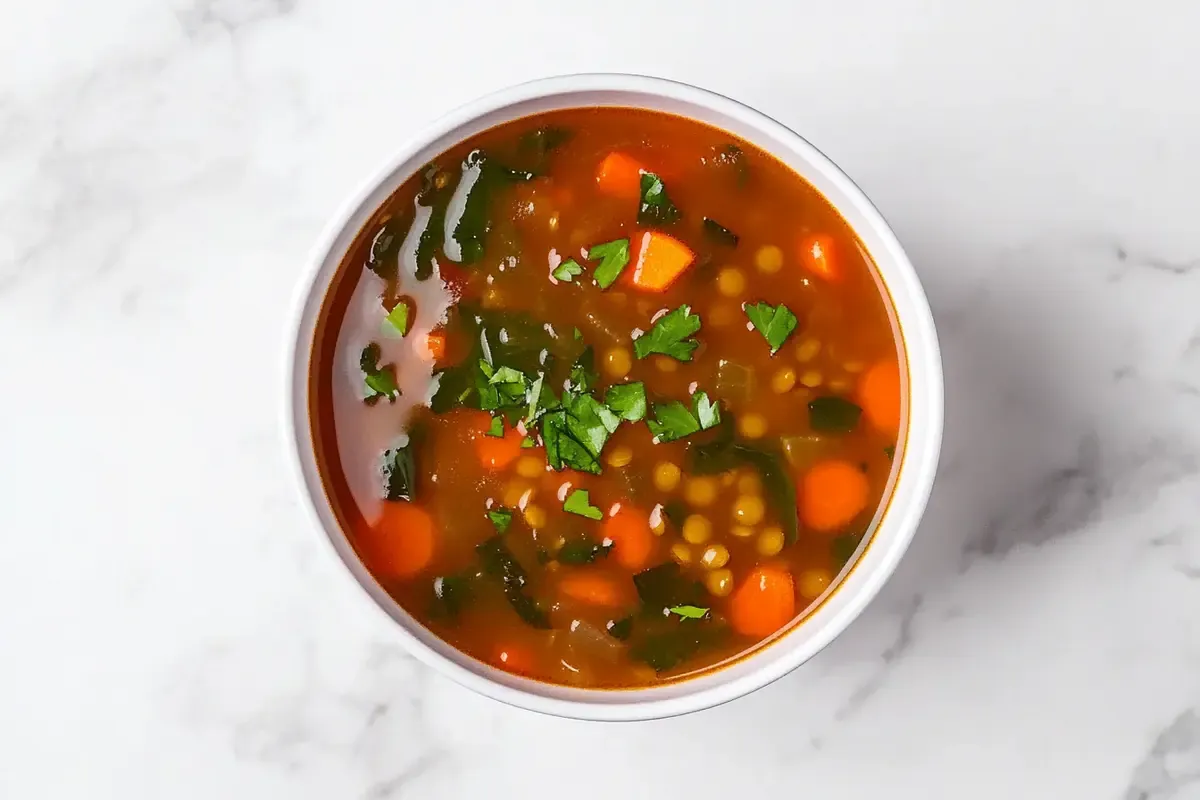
(614, 257)
(380, 379)
(627, 401)
(689, 612)
(501, 518)
(496, 428)
(575, 435)
(656, 207)
(528, 442)
(567, 270)
(583, 372)
(670, 335)
(674, 420)
(775, 323)
(398, 318)
(578, 503)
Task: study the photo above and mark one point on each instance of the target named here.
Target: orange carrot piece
(596, 588)
(832, 493)
(631, 537)
(817, 256)
(620, 176)
(879, 395)
(401, 543)
(764, 602)
(659, 260)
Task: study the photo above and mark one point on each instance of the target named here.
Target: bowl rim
(892, 529)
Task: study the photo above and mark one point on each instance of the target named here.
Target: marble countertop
(169, 626)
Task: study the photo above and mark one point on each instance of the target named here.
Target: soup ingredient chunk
(401, 542)
(764, 603)
(832, 494)
(660, 259)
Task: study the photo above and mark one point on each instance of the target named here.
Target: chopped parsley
(627, 401)
(567, 270)
(832, 414)
(579, 503)
(674, 420)
(501, 518)
(689, 612)
(583, 372)
(528, 442)
(670, 335)
(614, 257)
(380, 380)
(775, 323)
(656, 207)
(496, 428)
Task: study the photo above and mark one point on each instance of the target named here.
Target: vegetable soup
(605, 397)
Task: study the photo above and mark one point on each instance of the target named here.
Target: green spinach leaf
(831, 414)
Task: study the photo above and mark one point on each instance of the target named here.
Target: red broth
(643, 408)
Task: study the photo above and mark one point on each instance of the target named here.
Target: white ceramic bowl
(917, 456)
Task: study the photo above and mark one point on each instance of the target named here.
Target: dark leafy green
(535, 147)
(582, 551)
(842, 549)
(583, 372)
(670, 335)
(831, 414)
(496, 428)
(665, 586)
(563, 450)
(398, 317)
(627, 400)
(620, 629)
(775, 323)
(499, 563)
(379, 380)
(614, 257)
(890, 452)
(451, 593)
(668, 648)
(718, 233)
(482, 177)
(673, 420)
(501, 518)
(656, 207)
(398, 467)
(725, 453)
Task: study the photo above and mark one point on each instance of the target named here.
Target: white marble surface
(169, 627)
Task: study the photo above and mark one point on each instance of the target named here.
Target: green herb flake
(719, 234)
(379, 380)
(775, 323)
(689, 612)
(578, 335)
(562, 448)
(583, 372)
(527, 443)
(670, 335)
(656, 207)
(567, 270)
(832, 414)
(627, 401)
(501, 518)
(398, 318)
(496, 428)
(614, 257)
(674, 420)
(578, 503)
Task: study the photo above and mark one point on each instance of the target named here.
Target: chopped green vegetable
(656, 207)
(673, 420)
(536, 146)
(842, 549)
(589, 421)
(832, 414)
(507, 375)
(501, 518)
(890, 452)
(583, 372)
(398, 317)
(450, 594)
(380, 380)
(581, 551)
(669, 648)
(481, 177)
(541, 399)
(578, 502)
(726, 453)
(614, 257)
(689, 612)
(496, 428)
(734, 381)
(670, 335)
(665, 587)
(562, 449)
(627, 400)
(498, 562)
(620, 629)
(383, 255)
(398, 467)
(527, 443)
(567, 270)
(578, 335)
(676, 512)
(718, 233)
(775, 323)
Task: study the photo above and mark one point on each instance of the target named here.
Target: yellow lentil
(530, 467)
(620, 456)
(783, 380)
(719, 582)
(811, 378)
(752, 426)
(618, 362)
(666, 476)
(696, 529)
(813, 582)
(742, 531)
(681, 553)
(731, 282)
(748, 510)
(700, 491)
(769, 259)
(807, 349)
(770, 541)
(535, 516)
(715, 556)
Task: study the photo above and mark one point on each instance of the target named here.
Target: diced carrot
(832, 493)
(496, 452)
(817, 256)
(514, 658)
(597, 588)
(764, 602)
(879, 395)
(435, 346)
(659, 260)
(400, 544)
(620, 176)
(631, 537)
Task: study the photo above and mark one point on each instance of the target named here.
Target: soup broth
(604, 397)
